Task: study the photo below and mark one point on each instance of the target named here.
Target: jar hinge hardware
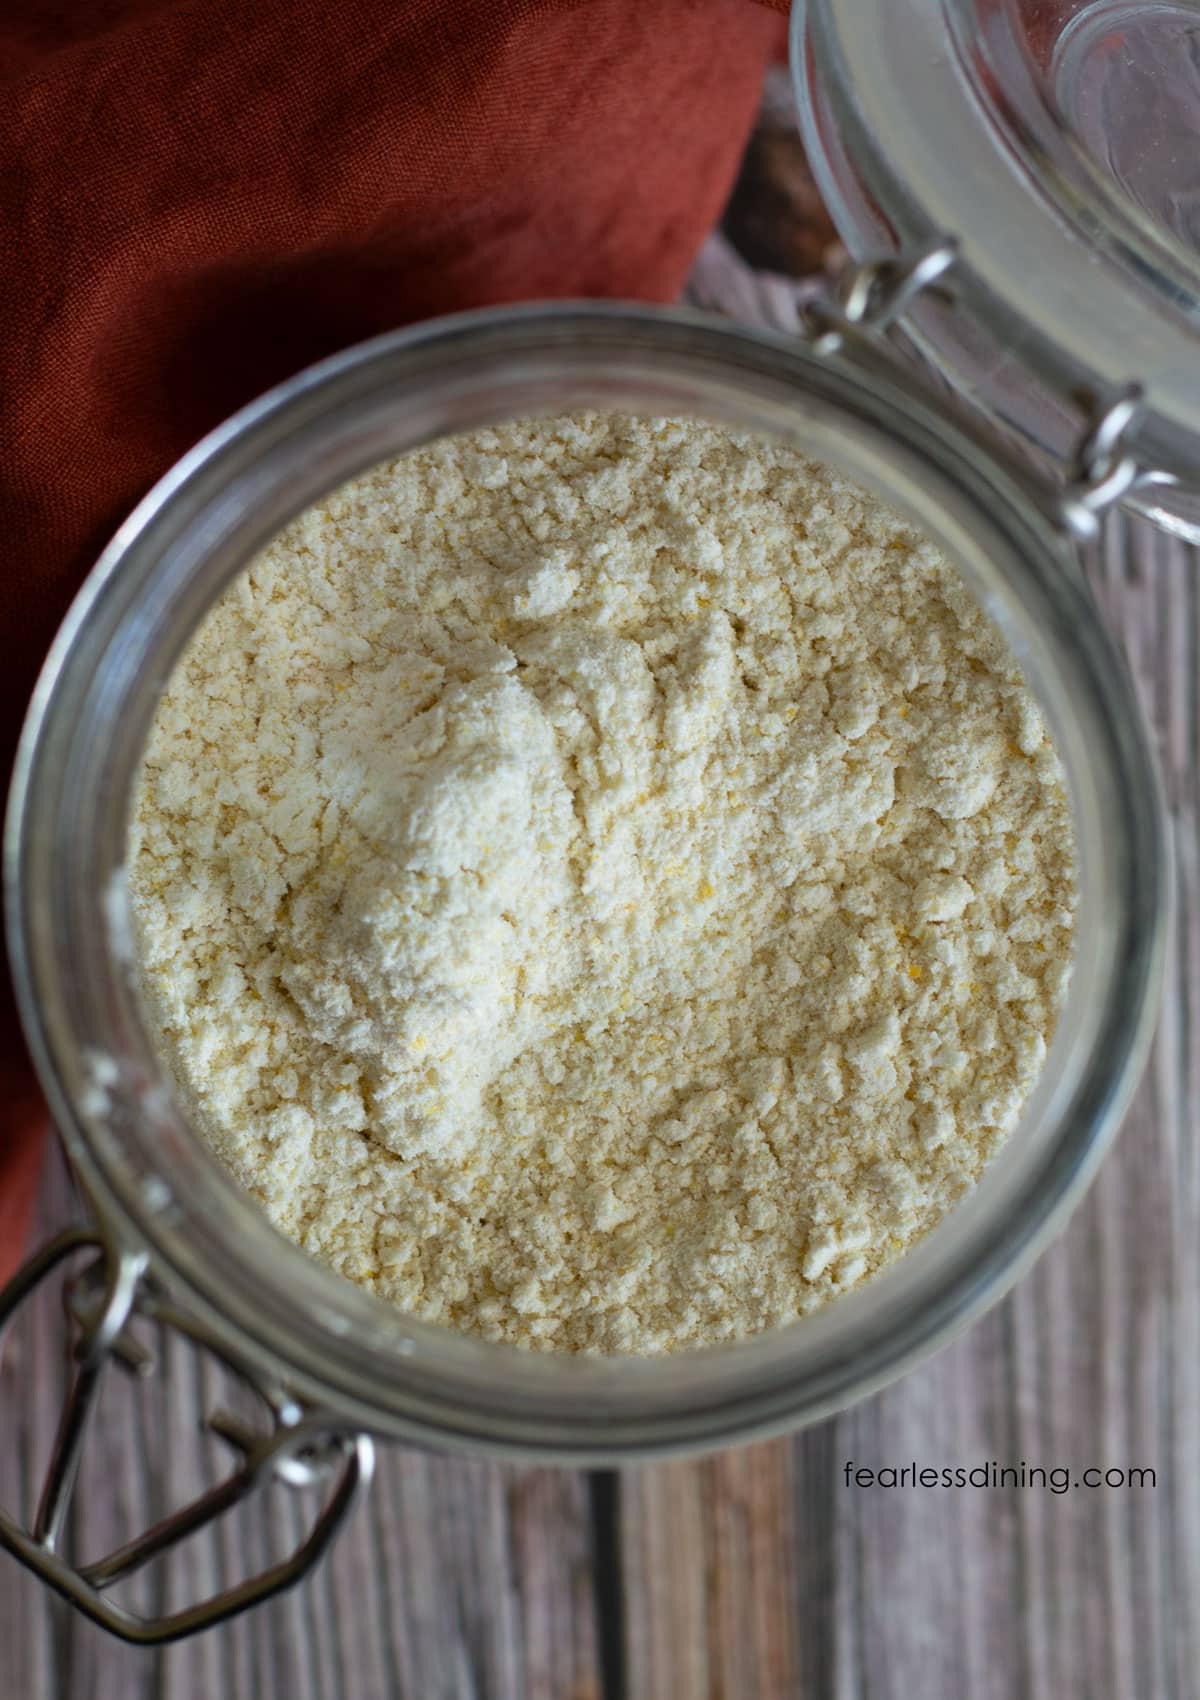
(873, 295)
(298, 1448)
(1103, 468)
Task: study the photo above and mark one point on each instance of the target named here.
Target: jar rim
(341, 1349)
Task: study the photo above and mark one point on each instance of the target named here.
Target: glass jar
(179, 1240)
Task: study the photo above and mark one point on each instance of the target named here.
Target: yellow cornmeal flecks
(603, 884)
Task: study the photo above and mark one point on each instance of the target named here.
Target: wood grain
(756, 1575)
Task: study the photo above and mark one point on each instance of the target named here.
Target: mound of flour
(603, 884)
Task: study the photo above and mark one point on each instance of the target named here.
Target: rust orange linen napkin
(199, 197)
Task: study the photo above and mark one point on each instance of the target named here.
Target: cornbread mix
(603, 884)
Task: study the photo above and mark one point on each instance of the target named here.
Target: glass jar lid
(1052, 143)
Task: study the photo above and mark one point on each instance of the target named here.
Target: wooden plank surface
(758, 1574)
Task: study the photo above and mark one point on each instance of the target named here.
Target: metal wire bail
(872, 295)
(298, 1448)
(1104, 468)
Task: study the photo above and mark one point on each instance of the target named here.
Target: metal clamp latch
(298, 1448)
(1104, 469)
(873, 295)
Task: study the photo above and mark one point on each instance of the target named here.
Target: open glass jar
(178, 1240)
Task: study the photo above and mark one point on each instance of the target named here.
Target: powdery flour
(603, 884)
